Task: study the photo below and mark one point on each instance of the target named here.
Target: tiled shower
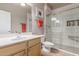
(65, 33)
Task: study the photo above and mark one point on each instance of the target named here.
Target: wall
(18, 15)
(73, 31)
(35, 28)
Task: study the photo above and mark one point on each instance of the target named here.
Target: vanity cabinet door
(35, 50)
(12, 49)
(25, 54)
(20, 53)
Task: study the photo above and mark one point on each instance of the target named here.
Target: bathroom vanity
(27, 46)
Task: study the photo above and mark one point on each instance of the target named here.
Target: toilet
(46, 45)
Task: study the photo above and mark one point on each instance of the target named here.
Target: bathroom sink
(17, 38)
(6, 41)
(26, 35)
(10, 40)
(14, 39)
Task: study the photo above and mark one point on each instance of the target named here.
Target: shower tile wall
(66, 35)
(56, 30)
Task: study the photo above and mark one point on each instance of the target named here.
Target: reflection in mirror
(5, 22)
(17, 15)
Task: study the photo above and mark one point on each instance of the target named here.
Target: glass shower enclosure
(62, 29)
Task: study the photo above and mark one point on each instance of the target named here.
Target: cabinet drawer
(20, 53)
(33, 42)
(9, 50)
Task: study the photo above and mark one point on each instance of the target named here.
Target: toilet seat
(48, 44)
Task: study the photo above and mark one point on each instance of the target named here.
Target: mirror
(15, 18)
(5, 22)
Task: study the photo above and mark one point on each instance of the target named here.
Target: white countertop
(13, 40)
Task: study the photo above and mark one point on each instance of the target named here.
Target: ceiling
(57, 5)
(51, 5)
(39, 5)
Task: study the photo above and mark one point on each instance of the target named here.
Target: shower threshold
(67, 50)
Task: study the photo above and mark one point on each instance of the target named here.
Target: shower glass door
(65, 31)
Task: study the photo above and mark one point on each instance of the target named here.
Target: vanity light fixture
(23, 4)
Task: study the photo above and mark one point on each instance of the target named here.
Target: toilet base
(47, 45)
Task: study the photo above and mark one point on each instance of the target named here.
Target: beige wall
(35, 28)
(18, 15)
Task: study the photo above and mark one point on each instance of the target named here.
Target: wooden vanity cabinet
(30, 47)
(14, 49)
